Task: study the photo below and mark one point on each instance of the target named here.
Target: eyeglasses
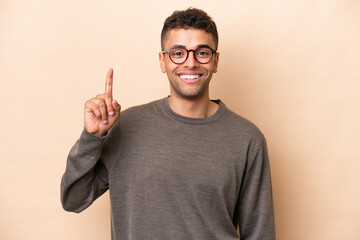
(178, 55)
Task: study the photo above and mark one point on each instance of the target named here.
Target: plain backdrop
(290, 66)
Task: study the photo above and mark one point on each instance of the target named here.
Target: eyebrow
(198, 46)
(177, 46)
(203, 45)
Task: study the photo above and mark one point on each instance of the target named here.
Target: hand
(102, 111)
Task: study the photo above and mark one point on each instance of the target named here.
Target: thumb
(116, 106)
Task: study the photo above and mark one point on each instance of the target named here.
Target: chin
(190, 95)
(189, 92)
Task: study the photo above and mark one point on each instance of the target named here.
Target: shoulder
(248, 137)
(147, 109)
(136, 118)
(144, 115)
(241, 126)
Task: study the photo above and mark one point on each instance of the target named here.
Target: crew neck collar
(184, 119)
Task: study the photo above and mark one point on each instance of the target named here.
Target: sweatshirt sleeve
(85, 177)
(255, 203)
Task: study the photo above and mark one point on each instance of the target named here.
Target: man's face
(190, 79)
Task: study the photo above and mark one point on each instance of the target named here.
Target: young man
(182, 167)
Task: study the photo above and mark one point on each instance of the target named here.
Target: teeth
(189, 76)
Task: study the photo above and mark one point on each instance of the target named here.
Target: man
(182, 167)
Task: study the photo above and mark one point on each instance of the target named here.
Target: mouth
(190, 78)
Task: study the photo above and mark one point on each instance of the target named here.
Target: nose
(191, 62)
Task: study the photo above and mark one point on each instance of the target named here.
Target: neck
(193, 108)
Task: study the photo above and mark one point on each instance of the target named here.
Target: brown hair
(187, 19)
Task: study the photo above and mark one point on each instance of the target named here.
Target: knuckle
(89, 104)
(101, 104)
(92, 101)
(97, 113)
(100, 96)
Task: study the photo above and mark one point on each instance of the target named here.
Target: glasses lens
(203, 55)
(178, 55)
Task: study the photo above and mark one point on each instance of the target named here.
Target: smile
(189, 77)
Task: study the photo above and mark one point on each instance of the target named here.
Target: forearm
(256, 210)
(80, 184)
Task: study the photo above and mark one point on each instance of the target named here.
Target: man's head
(191, 18)
(189, 58)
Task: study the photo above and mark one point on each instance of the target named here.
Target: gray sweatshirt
(173, 177)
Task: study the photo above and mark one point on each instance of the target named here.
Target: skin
(189, 98)
(102, 111)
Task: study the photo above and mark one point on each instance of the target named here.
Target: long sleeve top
(173, 177)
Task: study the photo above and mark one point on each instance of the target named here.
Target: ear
(162, 62)
(216, 62)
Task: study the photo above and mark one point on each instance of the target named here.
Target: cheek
(170, 67)
(170, 74)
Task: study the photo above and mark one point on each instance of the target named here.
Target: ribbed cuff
(90, 143)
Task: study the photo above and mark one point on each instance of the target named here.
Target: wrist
(99, 134)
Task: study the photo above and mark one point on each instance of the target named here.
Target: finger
(108, 92)
(107, 99)
(116, 106)
(117, 109)
(93, 108)
(100, 105)
(109, 82)
(100, 97)
(103, 111)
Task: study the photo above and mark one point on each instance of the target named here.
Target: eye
(177, 53)
(203, 52)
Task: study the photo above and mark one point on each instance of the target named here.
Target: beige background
(290, 66)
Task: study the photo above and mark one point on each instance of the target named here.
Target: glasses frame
(187, 53)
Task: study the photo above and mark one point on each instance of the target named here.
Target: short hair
(190, 18)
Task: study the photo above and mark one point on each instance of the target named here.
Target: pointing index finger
(109, 82)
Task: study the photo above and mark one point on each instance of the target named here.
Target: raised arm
(85, 177)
